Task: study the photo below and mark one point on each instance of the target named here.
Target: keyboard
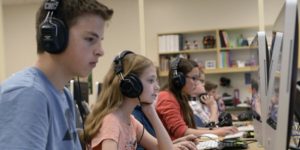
(246, 128)
(235, 135)
(233, 144)
(210, 144)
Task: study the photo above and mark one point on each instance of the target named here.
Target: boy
(211, 89)
(36, 111)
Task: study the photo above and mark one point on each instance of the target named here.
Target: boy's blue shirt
(35, 115)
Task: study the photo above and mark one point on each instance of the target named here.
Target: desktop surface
(233, 141)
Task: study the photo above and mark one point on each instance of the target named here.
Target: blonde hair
(111, 98)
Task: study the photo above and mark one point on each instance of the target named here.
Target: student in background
(186, 142)
(203, 106)
(131, 80)
(36, 110)
(172, 104)
(211, 90)
(255, 100)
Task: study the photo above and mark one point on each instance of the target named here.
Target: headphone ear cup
(54, 36)
(131, 86)
(178, 80)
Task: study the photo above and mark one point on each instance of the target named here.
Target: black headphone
(178, 78)
(130, 85)
(53, 32)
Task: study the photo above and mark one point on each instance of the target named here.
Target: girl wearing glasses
(172, 104)
(203, 103)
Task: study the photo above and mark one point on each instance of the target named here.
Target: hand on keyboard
(210, 144)
(246, 128)
(235, 135)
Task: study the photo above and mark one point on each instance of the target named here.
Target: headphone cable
(81, 110)
(142, 121)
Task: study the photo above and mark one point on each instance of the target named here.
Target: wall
(20, 45)
(2, 60)
(123, 30)
(181, 15)
(19, 33)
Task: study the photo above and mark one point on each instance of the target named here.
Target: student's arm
(213, 108)
(24, 120)
(186, 142)
(222, 131)
(170, 113)
(190, 137)
(163, 138)
(107, 145)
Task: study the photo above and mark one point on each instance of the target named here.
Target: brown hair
(210, 86)
(184, 66)
(69, 11)
(110, 97)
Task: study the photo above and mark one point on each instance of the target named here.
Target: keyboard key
(210, 144)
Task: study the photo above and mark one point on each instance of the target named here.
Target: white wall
(123, 30)
(19, 37)
(2, 61)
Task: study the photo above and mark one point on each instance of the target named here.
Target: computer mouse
(210, 135)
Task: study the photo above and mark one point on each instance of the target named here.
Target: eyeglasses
(195, 78)
(202, 81)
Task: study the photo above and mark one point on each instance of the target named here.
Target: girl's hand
(190, 137)
(185, 145)
(148, 109)
(209, 101)
(223, 131)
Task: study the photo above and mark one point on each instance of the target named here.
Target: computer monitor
(98, 89)
(259, 86)
(297, 102)
(282, 83)
(260, 81)
(80, 92)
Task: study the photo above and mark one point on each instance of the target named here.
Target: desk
(236, 110)
(254, 146)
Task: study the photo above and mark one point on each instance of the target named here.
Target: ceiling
(18, 2)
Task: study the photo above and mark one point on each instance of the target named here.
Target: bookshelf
(219, 51)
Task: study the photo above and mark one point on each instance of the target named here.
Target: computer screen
(80, 90)
(282, 84)
(98, 89)
(297, 102)
(259, 86)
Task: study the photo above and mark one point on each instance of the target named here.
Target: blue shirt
(34, 115)
(141, 117)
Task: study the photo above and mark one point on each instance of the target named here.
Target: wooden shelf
(239, 48)
(190, 51)
(221, 70)
(231, 70)
(220, 56)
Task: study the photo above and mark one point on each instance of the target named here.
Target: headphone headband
(175, 64)
(130, 85)
(53, 32)
(178, 78)
(118, 61)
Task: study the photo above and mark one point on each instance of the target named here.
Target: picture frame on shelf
(210, 64)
